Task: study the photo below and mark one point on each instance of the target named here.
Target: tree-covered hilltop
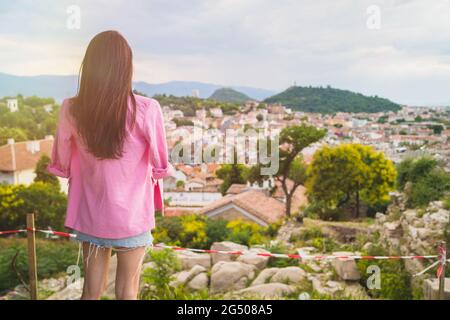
(331, 100)
(229, 95)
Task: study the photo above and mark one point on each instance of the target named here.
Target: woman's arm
(62, 145)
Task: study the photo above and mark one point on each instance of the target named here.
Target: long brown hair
(100, 108)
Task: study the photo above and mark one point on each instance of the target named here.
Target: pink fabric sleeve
(62, 145)
(156, 136)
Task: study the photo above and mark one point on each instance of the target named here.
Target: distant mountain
(330, 100)
(60, 87)
(229, 95)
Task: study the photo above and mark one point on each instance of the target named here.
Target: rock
(183, 277)
(328, 288)
(410, 215)
(52, 284)
(346, 269)
(431, 289)
(367, 246)
(228, 276)
(291, 275)
(355, 291)
(250, 257)
(71, 292)
(199, 282)
(438, 220)
(264, 276)
(189, 259)
(380, 217)
(393, 229)
(306, 250)
(226, 246)
(267, 290)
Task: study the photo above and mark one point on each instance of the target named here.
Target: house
(216, 112)
(48, 108)
(276, 109)
(252, 205)
(13, 105)
(201, 114)
(170, 183)
(18, 161)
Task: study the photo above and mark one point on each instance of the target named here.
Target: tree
(292, 168)
(437, 129)
(231, 174)
(259, 117)
(427, 178)
(14, 133)
(348, 174)
(42, 174)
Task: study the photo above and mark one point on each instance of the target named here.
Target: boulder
(233, 275)
(185, 276)
(251, 257)
(290, 275)
(267, 290)
(189, 259)
(431, 289)
(199, 282)
(346, 269)
(327, 288)
(226, 246)
(71, 292)
(264, 276)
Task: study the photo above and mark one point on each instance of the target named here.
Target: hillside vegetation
(229, 95)
(331, 100)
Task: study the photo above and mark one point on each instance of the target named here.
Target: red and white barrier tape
(57, 233)
(441, 255)
(11, 232)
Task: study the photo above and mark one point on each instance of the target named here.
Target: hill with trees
(229, 95)
(331, 100)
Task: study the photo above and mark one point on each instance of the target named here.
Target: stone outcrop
(346, 269)
(226, 246)
(251, 257)
(267, 290)
(190, 259)
(231, 275)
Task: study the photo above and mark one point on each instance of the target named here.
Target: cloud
(263, 43)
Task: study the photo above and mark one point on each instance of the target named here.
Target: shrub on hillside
(53, 257)
(45, 200)
(423, 180)
(395, 280)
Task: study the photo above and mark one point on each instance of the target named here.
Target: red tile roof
(255, 202)
(17, 156)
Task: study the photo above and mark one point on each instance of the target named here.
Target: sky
(397, 49)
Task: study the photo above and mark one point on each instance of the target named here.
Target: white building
(216, 112)
(13, 105)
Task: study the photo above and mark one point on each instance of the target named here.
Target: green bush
(395, 280)
(45, 200)
(429, 181)
(199, 231)
(53, 257)
(159, 277)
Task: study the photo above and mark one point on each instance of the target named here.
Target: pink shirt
(114, 199)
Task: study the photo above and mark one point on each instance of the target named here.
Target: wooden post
(442, 277)
(32, 265)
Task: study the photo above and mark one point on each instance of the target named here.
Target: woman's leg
(96, 265)
(129, 265)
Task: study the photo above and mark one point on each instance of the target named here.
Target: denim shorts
(142, 240)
